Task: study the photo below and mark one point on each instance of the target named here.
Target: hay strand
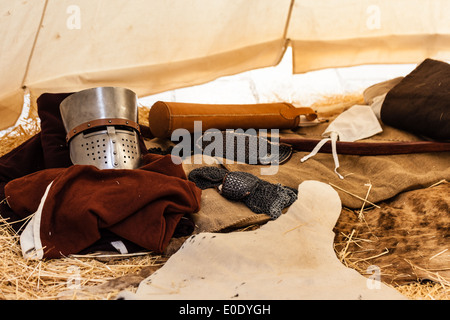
(354, 195)
(22, 279)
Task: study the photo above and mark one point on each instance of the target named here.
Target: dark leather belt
(369, 148)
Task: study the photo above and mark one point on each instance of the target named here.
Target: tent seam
(286, 27)
(34, 45)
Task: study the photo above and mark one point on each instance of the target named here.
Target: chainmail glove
(258, 195)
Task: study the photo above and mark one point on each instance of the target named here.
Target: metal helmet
(102, 127)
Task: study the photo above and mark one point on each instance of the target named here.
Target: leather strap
(99, 123)
(369, 148)
(293, 112)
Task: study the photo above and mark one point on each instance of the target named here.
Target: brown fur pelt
(406, 238)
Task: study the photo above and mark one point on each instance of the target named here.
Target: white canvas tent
(155, 46)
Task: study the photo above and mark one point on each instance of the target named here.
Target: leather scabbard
(165, 117)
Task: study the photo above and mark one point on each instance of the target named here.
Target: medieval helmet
(102, 127)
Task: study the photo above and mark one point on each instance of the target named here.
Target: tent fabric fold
(152, 46)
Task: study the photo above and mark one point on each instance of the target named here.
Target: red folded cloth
(143, 206)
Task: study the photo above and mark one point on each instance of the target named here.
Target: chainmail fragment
(207, 177)
(270, 198)
(238, 185)
(258, 195)
(236, 146)
(243, 147)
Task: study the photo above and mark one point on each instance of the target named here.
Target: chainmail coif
(258, 195)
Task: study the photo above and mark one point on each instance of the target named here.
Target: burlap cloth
(376, 177)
